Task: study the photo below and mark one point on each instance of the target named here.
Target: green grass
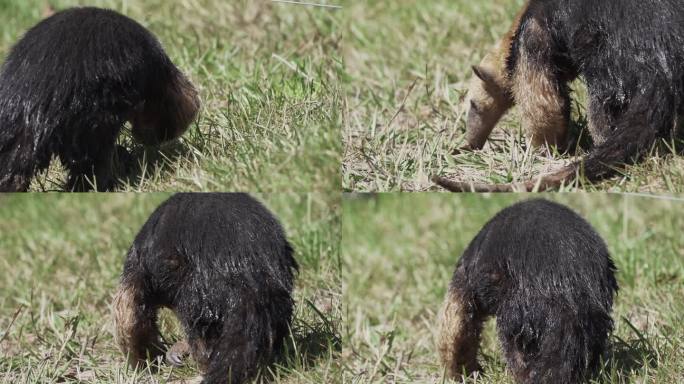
(268, 80)
(61, 257)
(399, 252)
(409, 63)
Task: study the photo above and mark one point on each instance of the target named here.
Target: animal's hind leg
(103, 169)
(19, 161)
(459, 332)
(91, 163)
(18, 182)
(601, 122)
(135, 323)
(539, 90)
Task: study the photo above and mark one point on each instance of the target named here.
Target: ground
(61, 257)
(268, 79)
(400, 250)
(409, 63)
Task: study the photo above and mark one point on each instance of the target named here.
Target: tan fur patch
(542, 108)
(459, 337)
(123, 309)
(135, 333)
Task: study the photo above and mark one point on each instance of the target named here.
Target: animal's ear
(484, 74)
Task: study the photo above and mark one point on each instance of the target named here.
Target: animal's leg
(103, 169)
(89, 160)
(459, 332)
(19, 161)
(135, 323)
(539, 90)
(15, 181)
(599, 121)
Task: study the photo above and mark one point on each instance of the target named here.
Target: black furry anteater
(629, 52)
(222, 263)
(547, 277)
(69, 85)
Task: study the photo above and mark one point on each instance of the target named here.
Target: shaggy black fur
(630, 54)
(69, 85)
(222, 263)
(548, 278)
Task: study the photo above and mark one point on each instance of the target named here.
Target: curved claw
(177, 353)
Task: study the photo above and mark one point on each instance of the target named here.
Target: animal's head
(167, 116)
(490, 97)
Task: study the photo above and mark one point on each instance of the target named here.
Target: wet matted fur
(547, 277)
(629, 52)
(223, 264)
(69, 85)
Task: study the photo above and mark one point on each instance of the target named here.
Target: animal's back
(628, 41)
(542, 245)
(518, 231)
(77, 53)
(230, 234)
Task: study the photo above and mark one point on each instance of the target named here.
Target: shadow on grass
(131, 166)
(628, 356)
(309, 341)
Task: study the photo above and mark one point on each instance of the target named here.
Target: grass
(268, 79)
(408, 64)
(399, 251)
(61, 257)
